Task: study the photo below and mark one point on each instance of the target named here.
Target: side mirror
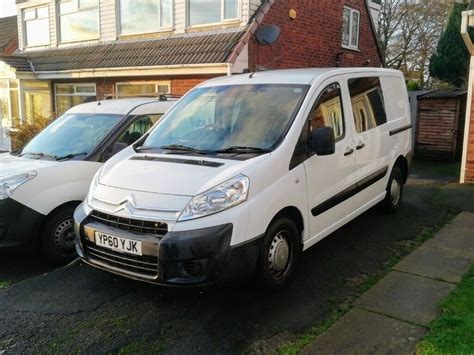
(323, 141)
(117, 147)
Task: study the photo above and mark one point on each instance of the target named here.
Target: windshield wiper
(139, 149)
(243, 150)
(183, 148)
(39, 154)
(70, 156)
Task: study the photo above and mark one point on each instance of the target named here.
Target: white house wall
(108, 30)
(109, 26)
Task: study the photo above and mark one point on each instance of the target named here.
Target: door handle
(360, 146)
(349, 151)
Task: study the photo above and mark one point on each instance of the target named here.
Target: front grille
(144, 265)
(133, 225)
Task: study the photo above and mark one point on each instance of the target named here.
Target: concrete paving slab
(464, 221)
(441, 264)
(407, 297)
(458, 241)
(363, 332)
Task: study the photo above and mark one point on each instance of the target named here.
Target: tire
(393, 198)
(57, 239)
(279, 254)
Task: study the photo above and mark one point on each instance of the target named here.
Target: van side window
(327, 111)
(368, 103)
(137, 129)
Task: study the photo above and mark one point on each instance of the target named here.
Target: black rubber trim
(401, 129)
(210, 164)
(19, 224)
(349, 192)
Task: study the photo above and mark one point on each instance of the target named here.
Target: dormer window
(78, 20)
(36, 26)
(201, 12)
(144, 16)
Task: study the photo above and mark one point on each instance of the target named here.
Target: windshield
(71, 134)
(226, 118)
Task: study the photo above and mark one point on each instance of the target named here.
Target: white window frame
(23, 26)
(222, 21)
(158, 29)
(76, 10)
(75, 92)
(156, 83)
(351, 46)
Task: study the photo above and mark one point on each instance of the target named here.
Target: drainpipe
(467, 33)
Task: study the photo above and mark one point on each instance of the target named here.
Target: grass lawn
(453, 331)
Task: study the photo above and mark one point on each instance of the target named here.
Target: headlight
(92, 187)
(229, 194)
(10, 183)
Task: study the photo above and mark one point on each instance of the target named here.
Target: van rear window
(368, 103)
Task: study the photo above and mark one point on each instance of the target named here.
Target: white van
(42, 184)
(246, 172)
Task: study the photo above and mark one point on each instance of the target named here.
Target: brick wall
(314, 38)
(11, 47)
(106, 87)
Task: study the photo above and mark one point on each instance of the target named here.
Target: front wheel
(279, 254)
(57, 239)
(393, 198)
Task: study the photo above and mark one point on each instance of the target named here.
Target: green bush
(20, 134)
(412, 85)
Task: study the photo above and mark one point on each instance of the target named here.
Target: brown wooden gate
(440, 125)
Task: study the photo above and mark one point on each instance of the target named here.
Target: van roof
(304, 76)
(123, 106)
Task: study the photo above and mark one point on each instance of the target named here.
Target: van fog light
(224, 196)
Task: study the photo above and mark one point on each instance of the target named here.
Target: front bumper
(187, 258)
(19, 224)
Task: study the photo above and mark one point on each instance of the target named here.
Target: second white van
(246, 172)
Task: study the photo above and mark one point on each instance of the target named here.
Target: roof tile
(213, 47)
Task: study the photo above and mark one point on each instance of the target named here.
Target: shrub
(412, 85)
(22, 133)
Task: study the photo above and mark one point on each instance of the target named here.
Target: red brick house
(84, 50)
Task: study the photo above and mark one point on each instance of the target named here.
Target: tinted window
(367, 103)
(137, 129)
(328, 111)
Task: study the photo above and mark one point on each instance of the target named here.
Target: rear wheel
(57, 240)
(393, 198)
(279, 254)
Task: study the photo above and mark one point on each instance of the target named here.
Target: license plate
(122, 245)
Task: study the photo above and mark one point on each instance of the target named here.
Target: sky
(7, 8)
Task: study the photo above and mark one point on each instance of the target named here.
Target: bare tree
(409, 31)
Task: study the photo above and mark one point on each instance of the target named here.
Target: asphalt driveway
(80, 309)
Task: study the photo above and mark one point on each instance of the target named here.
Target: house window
(143, 89)
(36, 26)
(212, 11)
(142, 16)
(350, 28)
(69, 95)
(9, 102)
(78, 20)
(36, 100)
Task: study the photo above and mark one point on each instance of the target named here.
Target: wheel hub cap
(279, 255)
(64, 236)
(395, 191)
